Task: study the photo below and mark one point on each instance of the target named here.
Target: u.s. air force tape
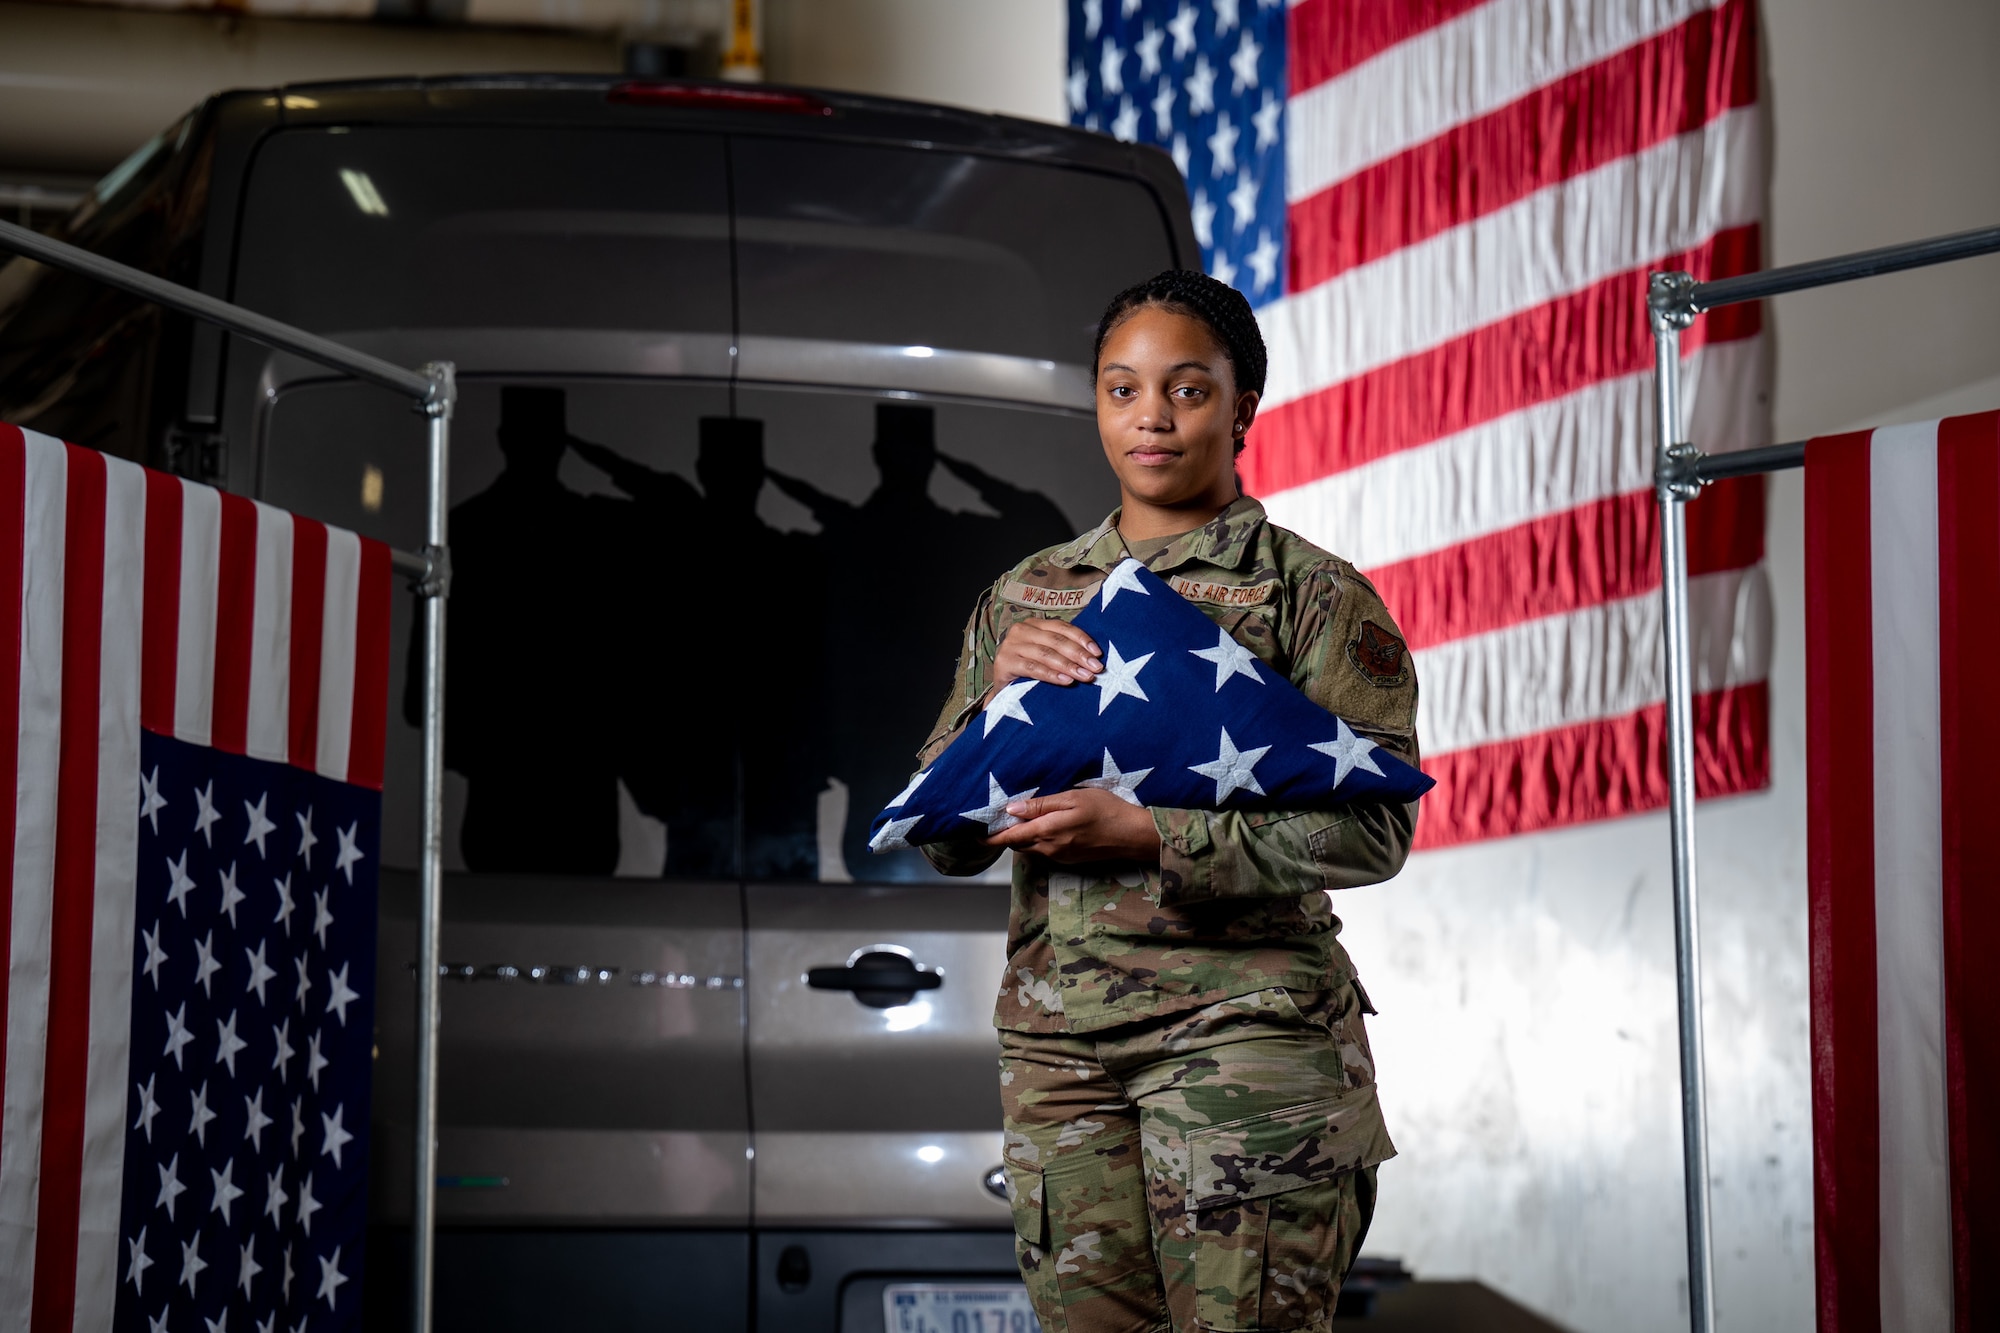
(1224, 594)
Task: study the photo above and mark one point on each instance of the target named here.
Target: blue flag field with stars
(1182, 717)
(246, 1158)
(1207, 82)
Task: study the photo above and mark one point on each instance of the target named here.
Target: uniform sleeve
(1348, 657)
(968, 691)
(973, 679)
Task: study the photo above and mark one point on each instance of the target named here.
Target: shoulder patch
(1380, 657)
(1224, 594)
(1050, 599)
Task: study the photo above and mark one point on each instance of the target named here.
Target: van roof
(557, 99)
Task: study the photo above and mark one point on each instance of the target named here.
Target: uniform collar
(1223, 541)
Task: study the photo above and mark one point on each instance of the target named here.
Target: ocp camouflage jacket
(1235, 905)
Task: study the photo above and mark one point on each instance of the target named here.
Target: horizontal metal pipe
(39, 196)
(1748, 462)
(270, 332)
(410, 565)
(1843, 268)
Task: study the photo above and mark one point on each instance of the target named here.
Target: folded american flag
(1183, 716)
(187, 900)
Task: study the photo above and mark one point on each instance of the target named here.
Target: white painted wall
(1528, 1053)
(1527, 1040)
(989, 55)
(1887, 120)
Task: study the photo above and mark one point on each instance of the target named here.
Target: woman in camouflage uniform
(1191, 1124)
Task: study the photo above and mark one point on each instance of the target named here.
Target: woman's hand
(1087, 824)
(1046, 650)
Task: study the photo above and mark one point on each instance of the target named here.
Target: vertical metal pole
(436, 586)
(1674, 485)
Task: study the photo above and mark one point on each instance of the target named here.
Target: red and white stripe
(1459, 397)
(129, 598)
(1902, 585)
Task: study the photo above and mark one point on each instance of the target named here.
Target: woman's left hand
(1087, 824)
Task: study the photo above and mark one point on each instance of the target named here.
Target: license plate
(958, 1307)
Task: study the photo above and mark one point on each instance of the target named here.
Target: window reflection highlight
(366, 197)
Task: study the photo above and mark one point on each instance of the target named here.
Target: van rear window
(390, 227)
(688, 638)
(452, 227)
(893, 245)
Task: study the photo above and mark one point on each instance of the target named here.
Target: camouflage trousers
(1210, 1170)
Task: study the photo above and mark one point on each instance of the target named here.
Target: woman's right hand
(1046, 650)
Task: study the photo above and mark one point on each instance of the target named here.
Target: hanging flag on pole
(1902, 726)
(1445, 213)
(187, 900)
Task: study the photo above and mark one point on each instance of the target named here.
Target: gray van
(759, 388)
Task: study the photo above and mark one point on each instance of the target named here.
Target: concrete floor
(1449, 1307)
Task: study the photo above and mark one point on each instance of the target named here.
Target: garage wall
(990, 55)
(1887, 120)
(1527, 1040)
(82, 86)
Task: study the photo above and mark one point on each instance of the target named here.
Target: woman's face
(1169, 413)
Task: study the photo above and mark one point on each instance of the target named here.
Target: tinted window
(442, 227)
(463, 227)
(682, 641)
(893, 245)
(83, 360)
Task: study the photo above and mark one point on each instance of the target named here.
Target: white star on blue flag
(211, 1063)
(1213, 75)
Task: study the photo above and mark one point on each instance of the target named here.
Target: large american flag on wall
(187, 900)
(1445, 212)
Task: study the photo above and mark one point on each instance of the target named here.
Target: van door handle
(880, 977)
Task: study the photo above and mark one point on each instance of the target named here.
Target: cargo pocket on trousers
(1028, 1199)
(1028, 1196)
(1273, 1235)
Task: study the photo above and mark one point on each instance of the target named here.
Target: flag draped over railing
(187, 900)
(1902, 723)
(1445, 212)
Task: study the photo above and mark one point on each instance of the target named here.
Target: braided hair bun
(1200, 297)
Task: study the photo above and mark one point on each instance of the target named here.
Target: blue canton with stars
(253, 999)
(1182, 717)
(1205, 80)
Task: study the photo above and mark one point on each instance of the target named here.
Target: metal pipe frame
(1707, 468)
(1686, 469)
(410, 565)
(1680, 471)
(435, 390)
(1703, 296)
(1671, 458)
(414, 566)
(262, 328)
(430, 887)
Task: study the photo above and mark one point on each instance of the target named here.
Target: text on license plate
(958, 1307)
